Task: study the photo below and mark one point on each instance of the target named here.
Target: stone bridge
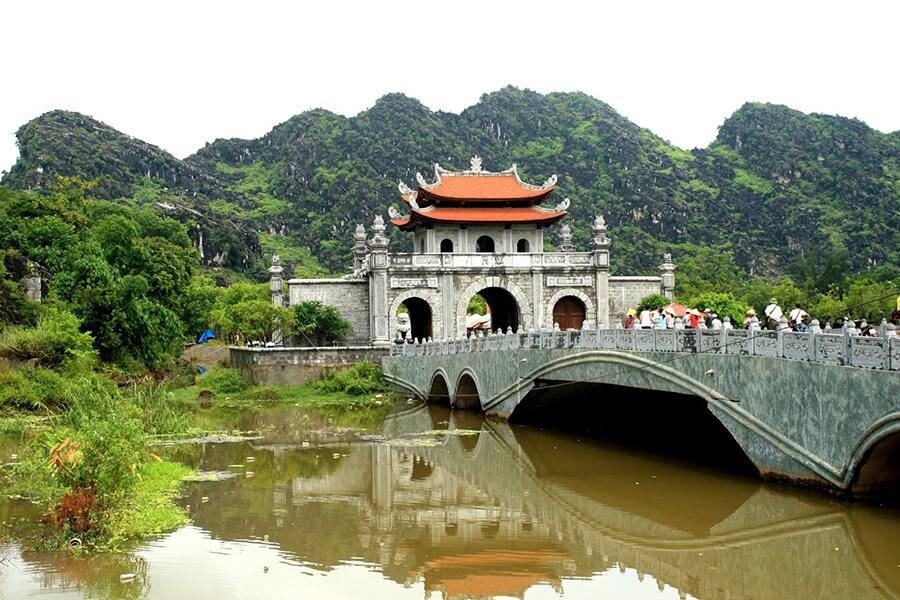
(820, 409)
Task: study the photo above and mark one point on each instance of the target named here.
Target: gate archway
(420, 318)
(509, 305)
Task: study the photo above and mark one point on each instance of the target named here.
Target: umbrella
(679, 309)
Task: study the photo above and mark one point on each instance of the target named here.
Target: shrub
(317, 323)
(362, 378)
(652, 302)
(225, 381)
(35, 389)
(55, 339)
(724, 305)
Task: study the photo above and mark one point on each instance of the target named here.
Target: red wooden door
(569, 313)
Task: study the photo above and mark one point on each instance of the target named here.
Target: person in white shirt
(773, 314)
(798, 318)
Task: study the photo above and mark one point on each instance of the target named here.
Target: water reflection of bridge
(496, 513)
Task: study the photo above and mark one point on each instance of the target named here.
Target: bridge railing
(847, 347)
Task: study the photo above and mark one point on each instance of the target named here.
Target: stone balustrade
(838, 347)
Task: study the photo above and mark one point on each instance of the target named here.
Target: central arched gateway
(504, 309)
(509, 305)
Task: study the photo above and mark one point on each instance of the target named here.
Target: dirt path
(204, 355)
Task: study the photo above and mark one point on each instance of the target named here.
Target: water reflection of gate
(511, 508)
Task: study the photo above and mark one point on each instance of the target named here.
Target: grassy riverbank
(80, 443)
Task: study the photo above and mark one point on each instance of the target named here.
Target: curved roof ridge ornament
(405, 189)
(514, 170)
(563, 206)
(437, 178)
(393, 213)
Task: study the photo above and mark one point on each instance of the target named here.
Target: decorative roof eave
(475, 170)
(436, 215)
(561, 207)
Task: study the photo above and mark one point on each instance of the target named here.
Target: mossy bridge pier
(820, 409)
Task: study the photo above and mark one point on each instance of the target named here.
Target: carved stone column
(276, 287)
(360, 251)
(565, 240)
(276, 283)
(667, 276)
(600, 251)
(378, 285)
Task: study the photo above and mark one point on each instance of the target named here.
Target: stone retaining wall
(296, 366)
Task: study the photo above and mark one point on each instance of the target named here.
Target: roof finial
(405, 189)
(475, 164)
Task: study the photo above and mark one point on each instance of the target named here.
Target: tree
(723, 305)
(252, 320)
(652, 302)
(317, 323)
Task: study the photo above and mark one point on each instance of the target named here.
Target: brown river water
(437, 506)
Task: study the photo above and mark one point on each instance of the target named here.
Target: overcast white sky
(180, 74)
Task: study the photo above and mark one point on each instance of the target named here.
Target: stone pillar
(378, 285)
(32, 285)
(360, 251)
(276, 283)
(565, 240)
(276, 287)
(448, 305)
(667, 276)
(600, 261)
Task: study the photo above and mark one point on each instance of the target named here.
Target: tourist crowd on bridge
(676, 316)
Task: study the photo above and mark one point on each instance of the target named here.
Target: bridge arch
(467, 396)
(439, 392)
(421, 314)
(575, 370)
(590, 311)
(874, 466)
(478, 286)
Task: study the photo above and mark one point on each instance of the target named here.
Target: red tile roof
(482, 187)
(463, 215)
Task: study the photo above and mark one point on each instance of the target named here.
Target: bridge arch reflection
(875, 466)
(467, 396)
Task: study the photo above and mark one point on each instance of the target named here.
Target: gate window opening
(420, 318)
(484, 244)
(569, 313)
(446, 245)
(523, 246)
(492, 310)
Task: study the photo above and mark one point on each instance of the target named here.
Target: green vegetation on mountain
(778, 193)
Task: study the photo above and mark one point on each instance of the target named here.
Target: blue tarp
(207, 335)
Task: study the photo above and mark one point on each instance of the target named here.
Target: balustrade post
(813, 331)
(779, 337)
(754, 330)
(849, 329)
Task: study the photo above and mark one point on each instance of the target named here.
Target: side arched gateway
(419, 320)
(570, 308)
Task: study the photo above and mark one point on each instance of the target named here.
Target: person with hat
(707, 316)
(695, 318)
(749, 317)
(773, 314)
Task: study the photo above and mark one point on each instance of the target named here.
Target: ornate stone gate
(475, 232)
